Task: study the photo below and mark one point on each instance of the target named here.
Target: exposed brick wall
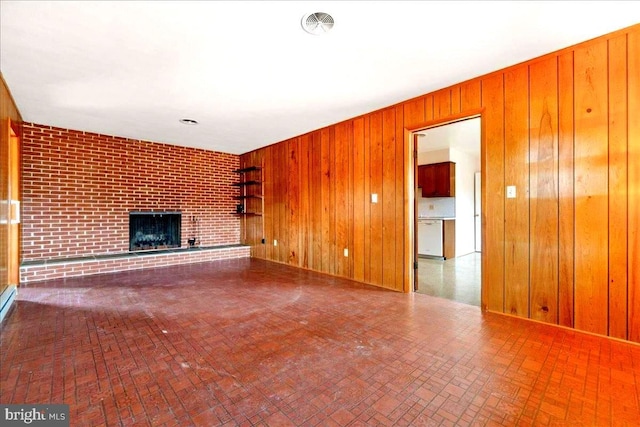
(79, 187)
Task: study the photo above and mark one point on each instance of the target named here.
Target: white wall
(437, 156)
(466, 167)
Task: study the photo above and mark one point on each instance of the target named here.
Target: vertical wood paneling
(305, 203)
(260, 223)
(359, 200)
(633, 263)
(292, 203)
(543, 181)
(562, 129)
(367, 198)
(565, 190)
(277, 199)
(332, 200)
(376, 183)
(283, 219)
(428, 107)
(327, 198)
(442, 104)
(516, 219)
(493, 193)
(269, 201)
(350, 192)
(456, 106)
(470, 96)
(618, 187)
(402, 273)
(414, 113)
(259, 220)
(316, 199)
(342, 208)
(591, 188)
(388, 199)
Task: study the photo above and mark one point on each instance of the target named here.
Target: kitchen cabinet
(437, 179)
(449, 238)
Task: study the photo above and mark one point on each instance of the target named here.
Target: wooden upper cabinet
(437, 179)
(427, 179)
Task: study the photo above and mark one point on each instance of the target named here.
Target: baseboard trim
(6, 300)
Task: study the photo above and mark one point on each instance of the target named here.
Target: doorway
(455, 146)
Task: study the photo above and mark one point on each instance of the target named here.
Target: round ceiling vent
(317, 23)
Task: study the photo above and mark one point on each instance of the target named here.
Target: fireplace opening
(154, 230)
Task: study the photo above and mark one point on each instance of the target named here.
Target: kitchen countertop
(443, 218)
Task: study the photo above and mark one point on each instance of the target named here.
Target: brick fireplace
(154, 230)
(79, 189)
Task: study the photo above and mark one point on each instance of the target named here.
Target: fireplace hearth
(154, 230)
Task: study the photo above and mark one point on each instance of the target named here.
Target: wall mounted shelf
(250, 186)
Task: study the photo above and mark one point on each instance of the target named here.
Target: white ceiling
(248, 72)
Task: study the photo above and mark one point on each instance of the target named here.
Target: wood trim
(11, 105)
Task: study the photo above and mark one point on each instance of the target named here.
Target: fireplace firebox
(154, 230)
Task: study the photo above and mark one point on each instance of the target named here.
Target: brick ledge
(33, 271)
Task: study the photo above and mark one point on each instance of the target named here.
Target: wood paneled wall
(8, 110)
(563, 128)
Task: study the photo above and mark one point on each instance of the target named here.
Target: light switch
(374, 198)
(346, 252)
(275, 242)
(511, 191)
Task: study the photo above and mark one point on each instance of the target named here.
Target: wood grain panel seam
(504, 205)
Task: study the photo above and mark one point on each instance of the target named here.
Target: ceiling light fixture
(188, 121)
(317, 23)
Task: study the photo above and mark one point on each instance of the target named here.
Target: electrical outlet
(346, 252)
(430, 207)
(275, 242)
(374, 198)
(511, 191)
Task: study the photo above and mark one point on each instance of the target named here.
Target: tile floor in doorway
(457, 279)
(254, 343)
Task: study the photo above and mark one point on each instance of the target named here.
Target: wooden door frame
(414, 234)
(411, 217)
(10, 140)
(15, 201)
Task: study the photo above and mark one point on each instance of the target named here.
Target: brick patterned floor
(253, 343)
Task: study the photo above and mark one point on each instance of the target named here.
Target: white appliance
(430, 237)
(478, 213)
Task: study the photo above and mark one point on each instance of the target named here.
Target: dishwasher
(430, 238)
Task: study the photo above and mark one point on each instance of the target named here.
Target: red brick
(79, 188)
